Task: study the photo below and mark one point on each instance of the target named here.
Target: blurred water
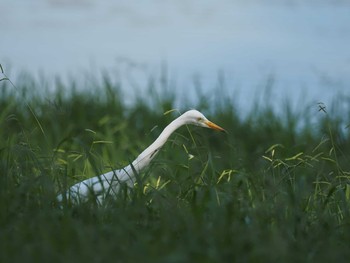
(304, 48)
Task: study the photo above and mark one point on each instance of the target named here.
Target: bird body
(109, 183)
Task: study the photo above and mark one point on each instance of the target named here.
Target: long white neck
(149, 153)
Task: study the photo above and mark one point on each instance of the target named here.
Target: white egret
(108, 184)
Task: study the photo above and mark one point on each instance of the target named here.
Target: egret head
(195, 117)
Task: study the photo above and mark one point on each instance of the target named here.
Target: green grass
(276, 188)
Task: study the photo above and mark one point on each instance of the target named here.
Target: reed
(275, 188)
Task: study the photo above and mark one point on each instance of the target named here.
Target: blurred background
(290, 49)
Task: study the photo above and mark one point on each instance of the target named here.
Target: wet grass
(276, 188)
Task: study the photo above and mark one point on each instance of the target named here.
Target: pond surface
(302, 50)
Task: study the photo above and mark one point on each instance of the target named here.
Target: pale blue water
(305, 47)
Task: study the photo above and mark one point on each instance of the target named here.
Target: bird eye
(199, 119)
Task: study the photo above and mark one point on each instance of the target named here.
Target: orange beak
(214, 126)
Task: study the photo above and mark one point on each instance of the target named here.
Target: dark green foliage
(275, 188)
